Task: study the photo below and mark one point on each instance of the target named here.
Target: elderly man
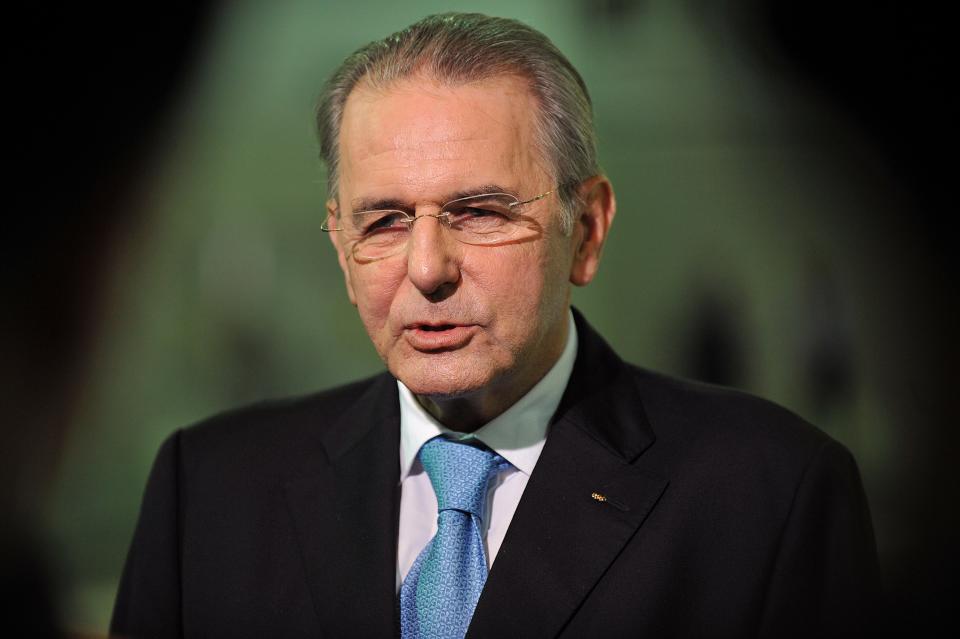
(509, 475)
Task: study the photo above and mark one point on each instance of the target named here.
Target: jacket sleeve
(826, 578)
(148, 600)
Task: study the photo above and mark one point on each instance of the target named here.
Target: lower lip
(445, 340)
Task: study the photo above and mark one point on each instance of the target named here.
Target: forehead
(419, 139)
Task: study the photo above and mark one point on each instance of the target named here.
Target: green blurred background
(764, 239)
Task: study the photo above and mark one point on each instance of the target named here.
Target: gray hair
(464, 47)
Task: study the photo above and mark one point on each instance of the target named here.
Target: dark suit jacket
(727, 517)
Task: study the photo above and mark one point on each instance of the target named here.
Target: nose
(433, 260)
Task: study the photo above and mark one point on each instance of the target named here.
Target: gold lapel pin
(603, 499)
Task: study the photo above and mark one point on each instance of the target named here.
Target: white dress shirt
(518, 435)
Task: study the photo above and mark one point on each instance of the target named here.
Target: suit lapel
(345, 514)
(560, 542)
(562, 539)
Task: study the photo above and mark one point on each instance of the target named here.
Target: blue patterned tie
(440, 593)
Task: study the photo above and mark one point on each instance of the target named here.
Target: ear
(591, 225)
(336, 239)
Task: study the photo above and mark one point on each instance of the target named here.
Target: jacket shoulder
(726, 423)
(274, 432)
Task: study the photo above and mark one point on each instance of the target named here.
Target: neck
(464, 414)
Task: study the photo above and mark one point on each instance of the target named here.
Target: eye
(372, 222)
(479, 220)
(479, 207)
(476, 211)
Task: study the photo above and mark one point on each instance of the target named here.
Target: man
(509, 475)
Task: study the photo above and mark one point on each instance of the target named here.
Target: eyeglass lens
(479, 219)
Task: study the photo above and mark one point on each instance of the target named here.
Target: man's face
(450, 319)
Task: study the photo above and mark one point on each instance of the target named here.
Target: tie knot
(460, 473)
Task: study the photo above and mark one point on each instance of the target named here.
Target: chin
(442, 379)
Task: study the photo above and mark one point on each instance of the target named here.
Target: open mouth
(438, 327)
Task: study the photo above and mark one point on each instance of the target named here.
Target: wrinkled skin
(469, 329)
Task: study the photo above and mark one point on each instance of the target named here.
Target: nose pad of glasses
(441, 223)
(433, 236)
(442, 218)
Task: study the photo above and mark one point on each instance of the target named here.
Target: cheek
(514, 281)
(375, 291)
(500, 272)
(542, 284)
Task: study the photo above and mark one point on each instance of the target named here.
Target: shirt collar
(517, 434)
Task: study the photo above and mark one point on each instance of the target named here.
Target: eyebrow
(361, 204)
